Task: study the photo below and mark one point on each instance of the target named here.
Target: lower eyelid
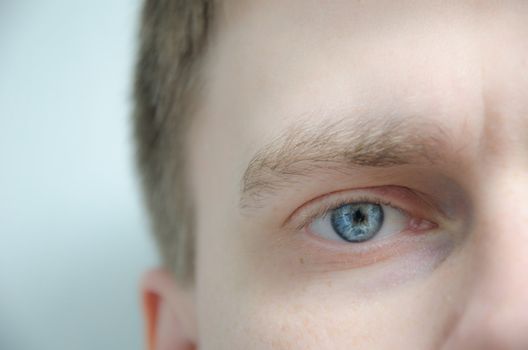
(325, 254)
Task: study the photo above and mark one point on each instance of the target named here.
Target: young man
(336, 174)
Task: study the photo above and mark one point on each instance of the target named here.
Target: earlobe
(170, 321)
(150, 312)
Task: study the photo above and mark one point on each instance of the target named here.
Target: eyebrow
(305, 148)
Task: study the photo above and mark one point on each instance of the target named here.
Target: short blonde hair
(172, 41)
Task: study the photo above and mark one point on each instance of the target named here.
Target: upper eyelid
(367, 142)
(382, 194)
(380, 234)
(334, 205)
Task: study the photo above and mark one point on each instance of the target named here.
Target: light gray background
(73, 238)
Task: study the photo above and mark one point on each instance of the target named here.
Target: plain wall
(73, 235)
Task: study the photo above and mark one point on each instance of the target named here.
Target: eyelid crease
(332, 205)
(385, 195)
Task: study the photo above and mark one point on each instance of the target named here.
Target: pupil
(359, 217)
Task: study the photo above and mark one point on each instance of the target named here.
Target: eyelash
(320, 211)
(321, 206)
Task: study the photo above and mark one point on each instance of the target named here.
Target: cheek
(264, 303)
(257, 295)
(305, 262)
(318, 317)
(265, 320)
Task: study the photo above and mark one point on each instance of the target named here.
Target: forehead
(283, 59)
(274, 63)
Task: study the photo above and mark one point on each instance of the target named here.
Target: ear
(170, 320)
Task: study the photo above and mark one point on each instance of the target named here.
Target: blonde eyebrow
(303, 149)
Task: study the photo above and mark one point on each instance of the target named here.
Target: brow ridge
(304, 148)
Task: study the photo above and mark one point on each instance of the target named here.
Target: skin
(265, 281)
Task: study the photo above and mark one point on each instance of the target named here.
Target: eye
(358, 222)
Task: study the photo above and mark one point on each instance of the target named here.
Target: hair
(172, 41)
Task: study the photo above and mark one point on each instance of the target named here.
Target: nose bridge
(495, 314)
(501, 239)
(501, 228)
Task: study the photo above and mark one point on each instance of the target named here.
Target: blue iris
(357, 222)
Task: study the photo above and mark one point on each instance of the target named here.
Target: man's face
(360, 175)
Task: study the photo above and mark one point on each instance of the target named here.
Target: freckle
(301, 260)
(329, 284)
